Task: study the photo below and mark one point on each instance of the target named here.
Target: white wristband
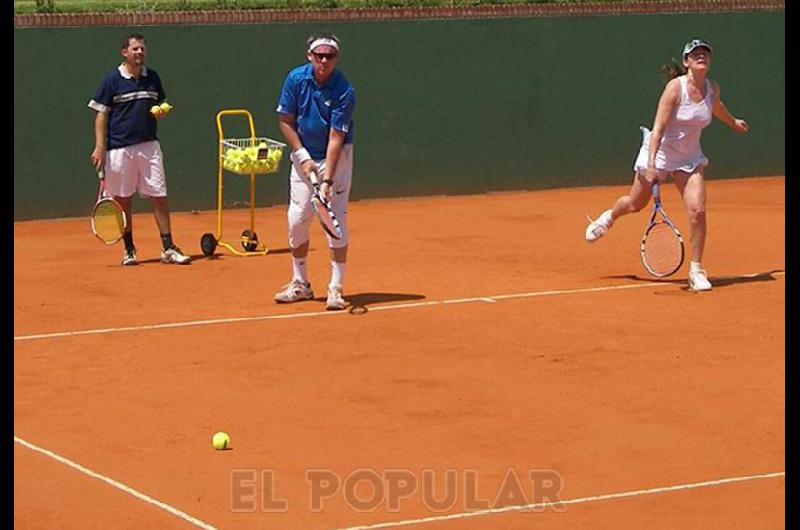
(301, 155)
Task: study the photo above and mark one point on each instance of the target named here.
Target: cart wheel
(208, 243)
(249, 240)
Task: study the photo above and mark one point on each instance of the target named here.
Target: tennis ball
(155, 110)
(221, 441)
(165, 107)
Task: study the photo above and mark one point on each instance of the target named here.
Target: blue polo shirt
(127, 101)
(318, 108)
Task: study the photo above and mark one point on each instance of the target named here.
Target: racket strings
(326, 217)
(108, 222)
(663, 253)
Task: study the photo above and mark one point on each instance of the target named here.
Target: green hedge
(116, 6)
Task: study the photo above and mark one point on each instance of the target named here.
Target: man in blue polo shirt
(316, 117)
(126, 146)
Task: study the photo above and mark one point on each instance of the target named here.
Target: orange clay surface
(593, 372)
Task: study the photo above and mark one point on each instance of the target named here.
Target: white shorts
(138, 167)
(300, 190)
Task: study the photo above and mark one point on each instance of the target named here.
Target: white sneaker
(335, 299)
(294, 291)
(698, 281)
(129, 258)
(174, 255)
(599, 226)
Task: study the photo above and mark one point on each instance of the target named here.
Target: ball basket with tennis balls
(221, 441)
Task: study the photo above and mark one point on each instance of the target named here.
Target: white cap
(695, 43)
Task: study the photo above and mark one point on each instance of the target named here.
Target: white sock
(695, 266)
(299, 269)
(337, 273)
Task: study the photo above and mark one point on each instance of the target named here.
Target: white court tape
(127, 489)
(581, 500)
(391, 307)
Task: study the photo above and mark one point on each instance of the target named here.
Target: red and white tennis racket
(323, 211)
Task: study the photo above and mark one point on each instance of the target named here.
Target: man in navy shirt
(126, 146)
(316, 117)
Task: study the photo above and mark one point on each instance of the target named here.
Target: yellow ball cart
(242, 156)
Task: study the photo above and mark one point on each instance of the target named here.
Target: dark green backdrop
(444, 106)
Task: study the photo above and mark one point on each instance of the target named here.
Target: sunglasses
(328, 56)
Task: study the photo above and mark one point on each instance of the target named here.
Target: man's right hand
(98, 158)
(308, 166)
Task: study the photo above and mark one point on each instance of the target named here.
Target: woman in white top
(686, 107)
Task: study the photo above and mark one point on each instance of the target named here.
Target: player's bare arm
(99, 152)
(722, 113)
(335, 144)
(288, 126)
(666, 108)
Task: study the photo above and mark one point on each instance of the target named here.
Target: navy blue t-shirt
(318, 108)
(127, 101)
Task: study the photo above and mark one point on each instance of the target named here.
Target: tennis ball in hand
(221, 441)
(165, 108)
(156, 111)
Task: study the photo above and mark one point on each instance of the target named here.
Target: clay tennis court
(487, 337)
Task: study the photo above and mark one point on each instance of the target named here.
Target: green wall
(444, 106)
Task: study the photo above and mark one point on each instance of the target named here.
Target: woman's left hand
(740, 126)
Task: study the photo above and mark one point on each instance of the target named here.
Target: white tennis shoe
(698, 280)
(335, 299)
(599, 226)
(129, 258)
(294, 291)
(174, 255)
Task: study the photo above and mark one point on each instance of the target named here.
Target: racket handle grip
(313, 176)
(101, 174)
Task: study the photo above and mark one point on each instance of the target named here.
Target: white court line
(487, 299)
(483, 299)
(582, 500)
(139, 495)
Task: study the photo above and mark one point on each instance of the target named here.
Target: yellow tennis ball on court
(221, 441)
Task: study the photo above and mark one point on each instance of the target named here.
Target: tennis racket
(323, 211)
(662, 243)
(108, 220)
